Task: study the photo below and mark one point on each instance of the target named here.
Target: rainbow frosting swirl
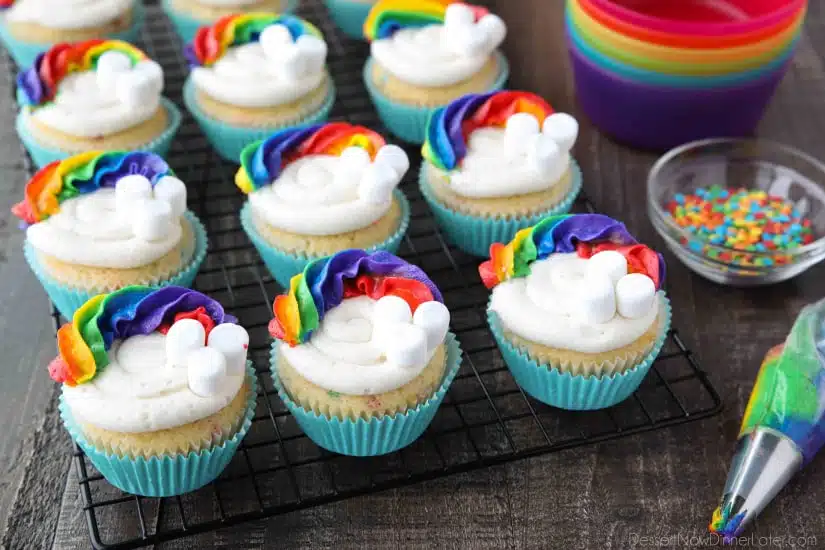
(388, 16)
(210, 43)
(584, 234)
(84, 173)
(38, 84)
(324, 283)
(449, 128)
(83, 344)
(262, 161)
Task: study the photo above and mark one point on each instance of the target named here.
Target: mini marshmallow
(608, 262)
(406, 346)
(394, 157)
(314, 51)
(635, 294)
(494, 30)
(110, 65)
(596, 299)
(134, 88)
(434, 318)
(129, 190)
(458, 15)
(351, 165)
(388, 312)
(173, 191)
(151, 220)
(233, 342)
(153, 72)
(543, 154)
(377, 184)
(563, 128)
(183, 337)
(274, 39)
(206, 371)
(520, 128)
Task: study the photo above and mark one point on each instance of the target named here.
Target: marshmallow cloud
(465, 36)
(408, 340)
(132, 83)
(298, 58)
(151, 211)
(545, 146)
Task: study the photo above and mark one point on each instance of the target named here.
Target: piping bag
(783, 427)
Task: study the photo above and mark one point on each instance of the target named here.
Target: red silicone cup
(702, 18)
(683, 41)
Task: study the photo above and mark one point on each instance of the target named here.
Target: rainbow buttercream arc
(449, 127)
(211, 42)
(84, 343)
(584, 234)
(325, 282)
(388, 16)
(84, 173)
(262, 161)
(39, 82)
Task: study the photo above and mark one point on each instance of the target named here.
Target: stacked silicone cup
(656, 74)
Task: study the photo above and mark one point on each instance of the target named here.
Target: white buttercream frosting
(329, 195)
(67, 14)
(91, 230)
(141, 391)
(89, 104)
(560, 304)
(361, 348)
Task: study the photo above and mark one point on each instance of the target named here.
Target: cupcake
(156, 387)
(93, 95)
(320, 189)
(254, 74)
(425, 55)
(363, 356)
(188, 16)
(97, 222)
(495, 163)
(29, 27)
(577, 309)
(349, 15)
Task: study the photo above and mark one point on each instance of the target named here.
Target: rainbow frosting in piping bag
(784, 423)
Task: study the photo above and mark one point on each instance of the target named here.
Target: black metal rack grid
(484, 420)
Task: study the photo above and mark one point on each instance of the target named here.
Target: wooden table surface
(662, 484)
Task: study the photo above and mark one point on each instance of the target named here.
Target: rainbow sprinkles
(584, 234)
(84, 173)
(38, 84)
(211, 43)
(389, 16)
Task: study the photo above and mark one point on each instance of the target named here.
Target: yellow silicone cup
(679, 61)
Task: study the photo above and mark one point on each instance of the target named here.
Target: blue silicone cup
(230, 140)
(24, 53)
(283, 265)
(409, 122)
(164, 476)
(186, 26)
(475, 234)
(574, 392)
(349, 15)
(376, 436)
(43, 154)
(67, 299)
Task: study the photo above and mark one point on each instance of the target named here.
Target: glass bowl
(739, 163)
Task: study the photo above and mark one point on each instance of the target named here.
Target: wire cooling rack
(484, 420)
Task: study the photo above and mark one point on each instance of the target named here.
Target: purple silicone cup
(659, 117)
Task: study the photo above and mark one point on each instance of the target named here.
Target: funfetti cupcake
(362, 356)
(349, 15)
(156, 387)
(188, 16)
(316, 190)
(90, 96)
(425, 54)
(30, 27)
(577, 309)
(254, 74)
(495, 163)
(97, 222)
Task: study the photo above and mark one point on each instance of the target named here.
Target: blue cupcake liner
(376, 436)
(475, 234)
(549, 385)
(186, 26)
(230, 140)
(349, 16)
(409, 122)
(283, 265)
(67, 299)
(43, 154)
(164, 476)
(24, 53)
